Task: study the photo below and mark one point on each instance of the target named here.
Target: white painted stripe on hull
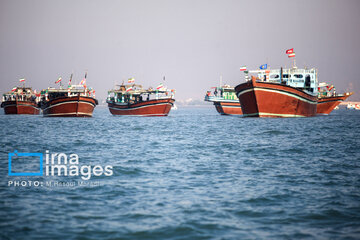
(229, 101)
(272, 114)
(71, 113)
(230, 106)
(58, 104)
(144, 115)
(279, 92)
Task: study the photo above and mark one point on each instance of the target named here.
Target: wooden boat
(279, 93)
(21, 100)
(328, 99)
(133, 100)
(225, 100)
(75, 101)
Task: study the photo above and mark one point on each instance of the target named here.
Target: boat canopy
(294, 77)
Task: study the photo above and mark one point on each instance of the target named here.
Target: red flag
(289, 51)
(59, 80)
(243, 68)
(291, 55)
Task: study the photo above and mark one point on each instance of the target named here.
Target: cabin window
(285, 75)
(298, 75)
(274, 76)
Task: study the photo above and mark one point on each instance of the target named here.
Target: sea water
(192, 175)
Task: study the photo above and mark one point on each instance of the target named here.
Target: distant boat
(132, 99)
(279, 93)
(21, 100)
(328, 99)
(350, 106)
(353, 106)
(174, 107)
(225, 100)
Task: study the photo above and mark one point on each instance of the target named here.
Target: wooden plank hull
(159, 107)
(228, 108)
(263, 99)
(20, 107)
(77, 106)
(327, 104)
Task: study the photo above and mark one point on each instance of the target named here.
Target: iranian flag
(13, 90)
(69, 84)
(129, 89)
(83, 82)
(22, 80)
(291, 55)
(59, 80)
(160, 86)
(243, 68)
(131, 80)
(289, 51)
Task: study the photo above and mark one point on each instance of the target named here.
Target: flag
(289, 51)
(69, 84)
(243, 68)
(13, 90)
(129, 89)
(59, 80)
(131, 80)
(160, 86)
(264, 66)
(291, 55)
(22, 80)
(83, 82)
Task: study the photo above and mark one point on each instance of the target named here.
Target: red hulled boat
(224, 100)
(279, 93)
(133, 100)
(21, 100)
(328, 98)
(75, 101)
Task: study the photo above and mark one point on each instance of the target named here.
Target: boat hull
(20, 107)
(263, 99)
(77, 106)
(327, 104)
(228, 108)
(157, 107)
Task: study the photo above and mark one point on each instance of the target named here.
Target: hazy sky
(191, 42)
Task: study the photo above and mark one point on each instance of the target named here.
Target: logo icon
(18, 154)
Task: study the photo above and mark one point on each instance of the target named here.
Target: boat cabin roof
(136, 90)
(20, 90)
(294, 77)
